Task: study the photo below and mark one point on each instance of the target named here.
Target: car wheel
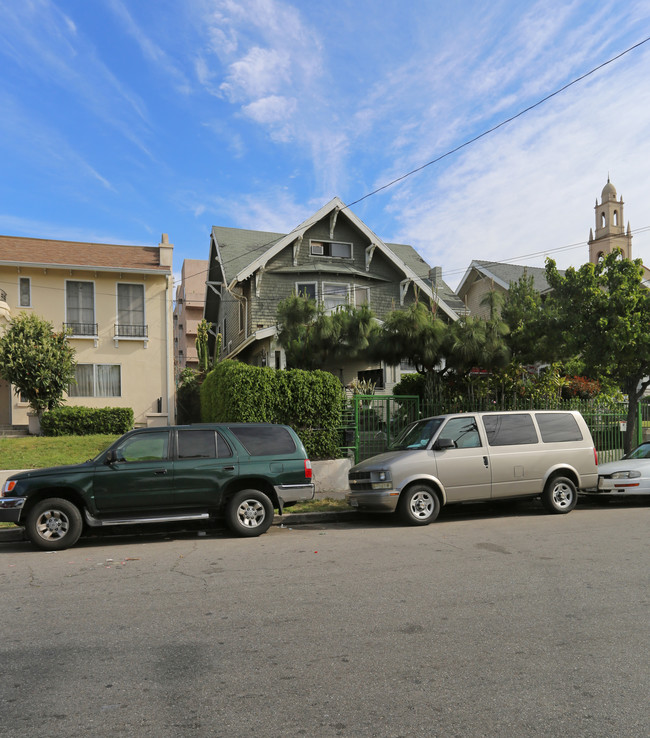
(54, 524)
(249, 513)
(560, 495)
(418, 505)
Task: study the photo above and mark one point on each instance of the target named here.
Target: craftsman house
(332, 257)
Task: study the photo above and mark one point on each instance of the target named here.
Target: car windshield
(640, 452)
(417, 435)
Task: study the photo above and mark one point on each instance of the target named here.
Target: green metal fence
(371, 422)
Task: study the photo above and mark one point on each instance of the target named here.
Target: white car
(627, 477)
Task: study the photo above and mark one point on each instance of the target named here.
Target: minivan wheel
(560, 495)
(249, 513)
(418, 505)
(54, 524)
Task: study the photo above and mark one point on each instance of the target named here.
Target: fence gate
(372, 422)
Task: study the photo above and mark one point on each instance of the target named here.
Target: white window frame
(315, 243)
(314, 284)
(94, 321)
(29, 287)
(117, 337)
(325, 294)
(95, 382)
(358, 288)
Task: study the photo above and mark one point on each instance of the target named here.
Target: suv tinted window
(557, 427)
(264, 440)
(144, 447)
(509, 430)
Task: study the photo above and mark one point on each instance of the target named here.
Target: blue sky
(122, 120)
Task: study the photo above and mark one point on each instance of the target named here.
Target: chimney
(435, 275)
(166, 251)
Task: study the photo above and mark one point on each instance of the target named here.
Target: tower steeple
(610, 230)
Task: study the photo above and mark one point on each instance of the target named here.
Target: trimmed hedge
(86, 421)
(310, 402)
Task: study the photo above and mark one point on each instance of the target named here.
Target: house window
(333, 249)
(242, 316)
(80, 308)
(376, 376)
(334, 295)
(306, 289)
(361, 295)
(130, 311)
(24, 292)
(96, 380)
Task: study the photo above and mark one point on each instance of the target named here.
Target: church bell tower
(610, 231)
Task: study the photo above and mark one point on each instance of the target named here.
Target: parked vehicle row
(241, 472)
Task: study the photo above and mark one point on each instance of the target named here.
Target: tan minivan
(471, 457)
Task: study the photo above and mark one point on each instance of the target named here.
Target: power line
(471, 140)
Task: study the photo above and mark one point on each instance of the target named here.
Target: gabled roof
(41, 252)
(249, 251)
(503, 274)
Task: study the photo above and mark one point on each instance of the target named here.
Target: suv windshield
(417, 435)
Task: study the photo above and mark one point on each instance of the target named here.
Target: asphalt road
(486, 623)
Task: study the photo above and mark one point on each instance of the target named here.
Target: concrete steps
(13, 431)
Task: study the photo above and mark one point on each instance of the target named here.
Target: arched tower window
(603, 220)
(616, 217)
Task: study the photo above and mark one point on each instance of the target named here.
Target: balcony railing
(131, 331)
(3, 296)
(80, 329)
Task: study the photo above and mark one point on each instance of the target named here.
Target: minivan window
(264, 440)
(417, 435)
(509, 430)
(558, 427)
(462, 431)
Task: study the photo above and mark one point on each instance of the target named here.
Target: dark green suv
(239, 472)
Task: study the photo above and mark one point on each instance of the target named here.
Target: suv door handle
(485, 461)
(228, 468)
(160, 472)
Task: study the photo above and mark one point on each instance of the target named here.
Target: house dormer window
(331, 249)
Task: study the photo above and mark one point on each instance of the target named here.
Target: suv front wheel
(249, 513)
(54, 524)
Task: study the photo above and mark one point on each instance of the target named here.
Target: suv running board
(94, 522)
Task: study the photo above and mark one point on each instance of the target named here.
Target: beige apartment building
(188, 313)
(115, 303)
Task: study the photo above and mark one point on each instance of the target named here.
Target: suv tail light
(595, 456)
(307, 469)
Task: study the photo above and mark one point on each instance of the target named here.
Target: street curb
(12, 535)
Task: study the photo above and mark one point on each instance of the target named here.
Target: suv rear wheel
(54, 524)
(249, 513)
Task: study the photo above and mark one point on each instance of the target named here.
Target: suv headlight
(626, 475)
(381, 479)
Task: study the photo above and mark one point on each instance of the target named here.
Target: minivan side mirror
(443, 443)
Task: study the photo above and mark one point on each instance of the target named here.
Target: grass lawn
(34, 452)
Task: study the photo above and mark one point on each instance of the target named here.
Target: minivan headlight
(626, 475)
(381, 479)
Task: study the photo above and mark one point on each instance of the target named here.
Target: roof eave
(87, 268)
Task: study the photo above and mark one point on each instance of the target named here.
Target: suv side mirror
(443, 443)
(111, 457)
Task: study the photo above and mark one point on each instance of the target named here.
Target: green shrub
(86, 421)
(310, 402)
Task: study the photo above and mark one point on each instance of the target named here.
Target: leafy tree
(37, 361)
(521, 312)
(311, 337)
(602, 312)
